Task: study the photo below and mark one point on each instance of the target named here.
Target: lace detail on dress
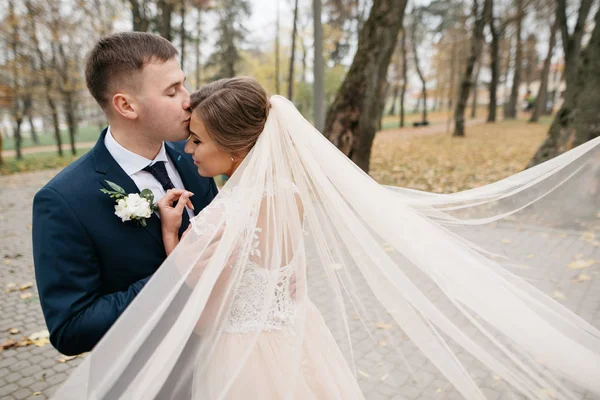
(248, 304)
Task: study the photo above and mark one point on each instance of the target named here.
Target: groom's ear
(124, 104)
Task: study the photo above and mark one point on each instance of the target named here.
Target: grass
(38, 161)
(84, 134)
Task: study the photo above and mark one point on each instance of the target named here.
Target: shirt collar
(131, 162)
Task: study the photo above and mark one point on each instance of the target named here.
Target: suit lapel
(109, 170)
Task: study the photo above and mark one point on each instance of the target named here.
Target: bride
(299, 236)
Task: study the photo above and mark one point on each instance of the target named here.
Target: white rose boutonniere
(131, 207)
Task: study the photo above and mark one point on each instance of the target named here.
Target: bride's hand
(170, 215)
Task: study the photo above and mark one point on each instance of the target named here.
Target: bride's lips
(196, 162)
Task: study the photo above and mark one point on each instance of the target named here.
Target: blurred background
(370, 74)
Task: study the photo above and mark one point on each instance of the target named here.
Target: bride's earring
(232, 159)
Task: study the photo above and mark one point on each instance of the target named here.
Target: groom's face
(164, 101)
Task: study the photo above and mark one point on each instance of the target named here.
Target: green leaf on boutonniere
(142, 221)
(116, 188)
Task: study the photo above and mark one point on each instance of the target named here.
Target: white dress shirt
(133, 165)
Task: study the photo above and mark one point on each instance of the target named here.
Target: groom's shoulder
(74, 177)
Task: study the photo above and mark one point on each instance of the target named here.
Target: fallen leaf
(7, 261)
(530, 256)
(65, 359)
(388, 248)
(382, 343)
(10, 343)
(583, 277)
(36, 393)
(439, 390)
(39, 335)
(558, 295)
(25, 296)
(384, 326)
(364, 374)
(588, 236)
(506, 240)
(11, 287)
(26, 286)
(13, 331)
(384, 377)
(578, 264)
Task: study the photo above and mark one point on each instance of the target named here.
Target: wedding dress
(393, 287)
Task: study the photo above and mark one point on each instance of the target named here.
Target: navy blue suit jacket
(89, 265)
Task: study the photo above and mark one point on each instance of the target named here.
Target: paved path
(34, 372)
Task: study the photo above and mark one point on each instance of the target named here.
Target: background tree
(561, 134)
(477, 38)
(353, 117)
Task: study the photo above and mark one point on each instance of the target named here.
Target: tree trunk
(511, 111)
(55, 123)
(17, 103)
(17, 137)
(34, 135)
(165, 8)
(352, 119)
(138, 15)
(48, 79)
(293, 53)
(494, 68)
(182, 34)
(69, 106)
(277, 74)
(28, 111)
(319, 68)
(476, 45)
(475, 84)
(404, 77)
(394, 98)
(66, 89)
(198, 36)
(420, 73)
(561, 135)
(540, 102)
(587, 123)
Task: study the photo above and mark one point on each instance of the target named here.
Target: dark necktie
(159, 171)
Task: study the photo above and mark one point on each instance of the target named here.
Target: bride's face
(210, 159)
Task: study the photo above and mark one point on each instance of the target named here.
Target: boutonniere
(131, 207)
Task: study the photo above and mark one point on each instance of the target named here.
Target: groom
(89, 264)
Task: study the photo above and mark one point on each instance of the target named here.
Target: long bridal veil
(478, 294)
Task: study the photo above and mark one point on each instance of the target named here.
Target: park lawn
(38, 161)
(443, 164)
(84, 134)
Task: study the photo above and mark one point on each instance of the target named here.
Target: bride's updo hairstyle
(234, 112)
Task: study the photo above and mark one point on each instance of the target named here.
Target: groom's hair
(116, 60)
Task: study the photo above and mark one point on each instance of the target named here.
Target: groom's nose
(186, 103)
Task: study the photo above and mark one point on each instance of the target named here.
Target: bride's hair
(234, 112)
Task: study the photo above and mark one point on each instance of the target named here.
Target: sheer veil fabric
(393, 285)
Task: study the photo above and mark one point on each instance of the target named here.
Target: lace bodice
(247, 307)
(246, 312)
